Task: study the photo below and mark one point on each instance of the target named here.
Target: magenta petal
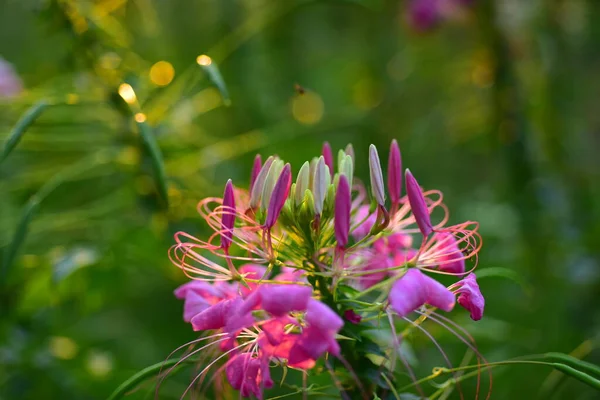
(214, 317)
(328, 156)
(438, 295)
(395, 173)
(366, 221)
(279, 195)
(343, 206)
(415, 289)
(418, 205)
(320, 316)
(243, 373)
(279, 300)
(202, 288)
(194, 304)
(256, 166)
(228, 218)
(470, 297)
(408, 293)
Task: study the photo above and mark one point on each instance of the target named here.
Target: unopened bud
(377, 188)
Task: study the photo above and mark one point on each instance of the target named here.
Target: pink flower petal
(470, 296)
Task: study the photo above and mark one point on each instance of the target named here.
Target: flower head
(298, 274)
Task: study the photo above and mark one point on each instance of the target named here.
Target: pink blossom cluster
(274, 281)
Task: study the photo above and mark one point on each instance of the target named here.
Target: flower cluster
(299, 274)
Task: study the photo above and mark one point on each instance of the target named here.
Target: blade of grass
(32, 205)
(21, 127)
(144, 374)
(158, 165)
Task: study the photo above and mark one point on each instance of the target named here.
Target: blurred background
(492, 102)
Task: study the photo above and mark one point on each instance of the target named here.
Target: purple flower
(470, 296)
(423, 14)
(451, 259)
(415, 289)
(365, 221)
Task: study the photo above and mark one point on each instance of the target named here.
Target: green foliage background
(496, 107)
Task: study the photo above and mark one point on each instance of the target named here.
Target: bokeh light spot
(204, 60)
(127, 93)
(63, 347)
(307, 108)
(162, 73)
(99, 364)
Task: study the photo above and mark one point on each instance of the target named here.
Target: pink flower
(470, 296)
(248, 374)
(415, 289)
(451, 258)
(365, 221)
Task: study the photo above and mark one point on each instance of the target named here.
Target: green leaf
(148, 372)
(158, 165)
(573, 362)
(21, 127)
(32, 205)
(214, 74)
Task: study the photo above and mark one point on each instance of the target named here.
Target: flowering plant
(317, 275)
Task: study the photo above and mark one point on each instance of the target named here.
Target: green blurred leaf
(21, 127)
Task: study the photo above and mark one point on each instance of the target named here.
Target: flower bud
(302, 182)
(347, 169)
(376, 176)
(328, 156)
(256, 167)
(228, 218)
(270, 180)
(395, 173)
(259, 182)
(279, 195)
(343, 206)
(418, 205)
(350, 151)
(321, 183)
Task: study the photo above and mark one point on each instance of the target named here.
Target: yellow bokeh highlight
(366, 94)
(99, 364)
(140, 117)
(63, 347)
(204, 60)
(127, 93)
(308, 108)
(162, 73)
